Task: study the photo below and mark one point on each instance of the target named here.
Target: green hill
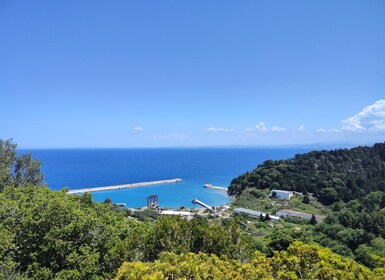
(339, 175)
(346, 185)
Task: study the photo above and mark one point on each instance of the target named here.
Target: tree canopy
(300, 261)
(18, 171)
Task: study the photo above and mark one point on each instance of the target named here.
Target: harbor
(125, 186)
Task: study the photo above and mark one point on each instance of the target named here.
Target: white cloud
(220, 129)
(378, 124)
(327, 130)
(278, 129)
(171, 137)
(261, 126)
(249, 129)
(137, 128)
(300, 128)
(370, 118)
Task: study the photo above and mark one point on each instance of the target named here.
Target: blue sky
(191, 73)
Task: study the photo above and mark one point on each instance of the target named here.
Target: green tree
(306, 199)
(313, 220)
(18, 171)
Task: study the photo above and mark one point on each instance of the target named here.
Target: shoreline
(125, 186)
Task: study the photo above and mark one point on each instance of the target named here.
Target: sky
(87, 74)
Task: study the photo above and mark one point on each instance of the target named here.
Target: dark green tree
(313, 220)
(306, 199)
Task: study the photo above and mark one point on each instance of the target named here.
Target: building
(307, 216)
(152, 201)
(254, 213)
(178, 213)
(281, 194)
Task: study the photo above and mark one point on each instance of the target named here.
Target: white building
(173, 212)
(281, 194)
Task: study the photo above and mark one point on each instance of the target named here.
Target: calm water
(80, 168)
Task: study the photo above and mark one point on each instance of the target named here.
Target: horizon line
(311, 145)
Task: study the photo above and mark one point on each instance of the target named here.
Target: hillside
(346, 185)
(331, 175)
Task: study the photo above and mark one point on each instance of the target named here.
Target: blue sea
(83, 168)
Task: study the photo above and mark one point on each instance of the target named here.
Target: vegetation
(339, 175)
(17, 171)
(349, 183)
(300, 261)
(48, 234)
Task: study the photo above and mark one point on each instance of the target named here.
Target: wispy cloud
(278, 129)
(300, 128)
(327, 130)
(219, 129)
(249, 129)
(370, 118)
(137, 128)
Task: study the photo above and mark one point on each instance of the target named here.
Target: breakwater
(209, 186)
(125, 186)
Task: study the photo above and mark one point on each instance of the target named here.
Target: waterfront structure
(209, 186)
(125, 186)
(281, 194)
(197, 201)
(152, 201)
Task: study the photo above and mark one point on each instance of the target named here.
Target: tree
(7, 159)
(18, 171)
(328, 196)
(313, 220)
(306, 199)
(300, 261)
(27, 171)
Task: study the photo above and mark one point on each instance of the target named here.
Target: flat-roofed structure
(173, 212)
(281, 194)
(254, 213)
(303, 215)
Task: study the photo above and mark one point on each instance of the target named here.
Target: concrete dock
(209, 186)
(212, 209)
(125, 186)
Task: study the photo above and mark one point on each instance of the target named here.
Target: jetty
(125, 186)
(212, 209)
(209, 186)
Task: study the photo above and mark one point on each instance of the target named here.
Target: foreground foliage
(300, 261)
(46, 234)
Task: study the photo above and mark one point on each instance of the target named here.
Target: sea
(84, 168)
